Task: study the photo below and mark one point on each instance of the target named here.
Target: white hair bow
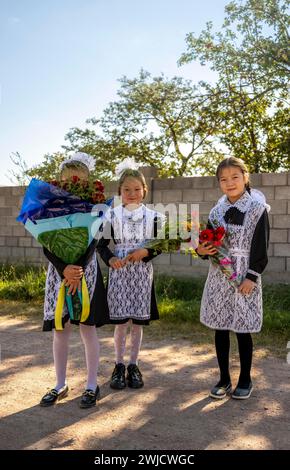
(80, 157)
(127, 164)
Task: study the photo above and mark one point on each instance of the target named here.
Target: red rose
(219, 233)
(99, 186)
(206, 236)
(75, 179)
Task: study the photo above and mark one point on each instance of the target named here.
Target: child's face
(68, 173)
(132, 192)
(232, 182)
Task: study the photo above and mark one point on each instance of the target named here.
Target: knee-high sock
(222, 344)
(60, 354)
(120, 336)
(246, 351)
(92, 350)
(136, 340)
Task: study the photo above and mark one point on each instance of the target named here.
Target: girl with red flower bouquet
(239, 222)
(74, 178)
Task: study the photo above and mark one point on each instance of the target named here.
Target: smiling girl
(243, 213)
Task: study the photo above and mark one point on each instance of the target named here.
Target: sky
(60, 61)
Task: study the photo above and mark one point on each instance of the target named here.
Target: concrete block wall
(17, 246)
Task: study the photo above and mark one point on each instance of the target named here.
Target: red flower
(75, 179)
(206, 236)
(219, 233)
(99, 186)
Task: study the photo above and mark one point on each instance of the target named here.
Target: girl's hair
(133, 174)
(75, 165)
(234, 162)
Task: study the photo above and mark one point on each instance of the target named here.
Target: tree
(252, 50)
(165, 123)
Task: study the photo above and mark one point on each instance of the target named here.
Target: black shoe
(53, 396)
(134, 376)
(89, 397)
(241, 393)
(118, 377)
(220, 391)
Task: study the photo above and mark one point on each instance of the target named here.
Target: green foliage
(184, 128)
(178, 298)
(22, 282)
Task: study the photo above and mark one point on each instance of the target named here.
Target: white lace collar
(135, 214)
(241, 204)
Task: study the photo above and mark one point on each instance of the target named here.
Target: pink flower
(233, 277)
(225, 261)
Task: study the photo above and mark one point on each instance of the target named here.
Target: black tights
(222, 344)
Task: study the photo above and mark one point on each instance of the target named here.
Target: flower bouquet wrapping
(222, 259)
(66, 225)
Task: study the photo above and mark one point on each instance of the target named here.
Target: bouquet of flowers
(65, 224)
(215, 237)
(172, 236)
(89, 190)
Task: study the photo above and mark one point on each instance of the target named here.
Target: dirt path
(172, 411)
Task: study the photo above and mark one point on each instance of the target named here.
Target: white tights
(120, 336)
(60, 353)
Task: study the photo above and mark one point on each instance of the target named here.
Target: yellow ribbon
(60, 303)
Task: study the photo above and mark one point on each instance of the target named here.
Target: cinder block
(18, 253)
(193, 195)
(157, 196)
(163, 259)
(32, 253)
(5, 253)
(274, 179)
(282, 249)
(18, 190)
(282, 192)
(255, 180)
(23, 241)
(181, 182)
(4, 211)
(279, 236)
(12, 241)
(18, 231)
(278, 207)
(180, 259)
(276, 264)
(4, 230)
(205, 207)
(2, 241)
(2, 201)
(35, 243)
(162, 183)
(204, 182)
(212, 195)
(281, 221)
(174, 195)
(268, 192)
(288, 264)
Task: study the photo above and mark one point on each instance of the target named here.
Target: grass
(178, 301)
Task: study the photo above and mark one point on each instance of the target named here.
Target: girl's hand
(73, 272)
(206, 248)
(247, 287)
(73, 285)
(137, 255)
(116, 263)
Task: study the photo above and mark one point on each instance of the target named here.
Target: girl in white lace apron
(243, 213)
(131, 296)
(79, 165)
